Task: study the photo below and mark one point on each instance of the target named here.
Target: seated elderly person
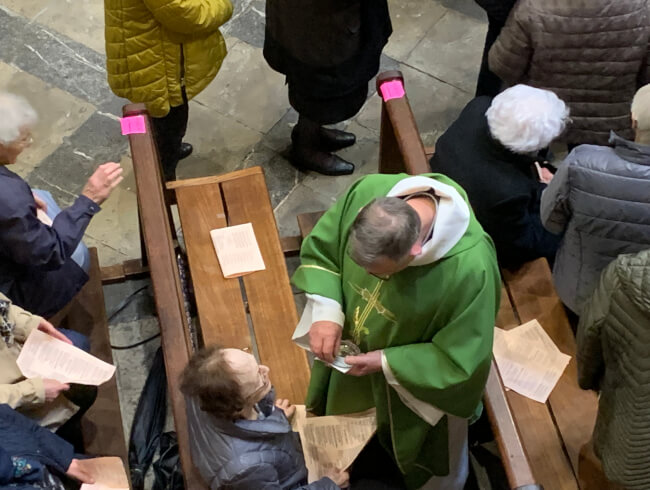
(40, 266)
(31, 457)
(599, 200)
(240, 439)
(54, 405)
(491, 151)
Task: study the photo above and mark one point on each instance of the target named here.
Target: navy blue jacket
(36, 269)
(22, 437)
(503, 187)
(248, 454)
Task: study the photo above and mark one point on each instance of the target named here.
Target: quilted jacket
(592, 53)
(613, 346)
(600, 199)
(154, 47)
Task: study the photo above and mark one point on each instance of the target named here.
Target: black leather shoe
(335, 139)
(185, 151)
(319, 161)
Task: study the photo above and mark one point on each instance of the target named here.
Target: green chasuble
(434, 323)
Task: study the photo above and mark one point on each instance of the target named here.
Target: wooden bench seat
(102, 428)
(255, 312)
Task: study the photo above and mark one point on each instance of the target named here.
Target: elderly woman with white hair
(41, 263)
(491, 151)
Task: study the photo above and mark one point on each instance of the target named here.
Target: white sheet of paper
(528, 360)
(237, 250)
(43, 217)
(301, 338)
(44, 356)
(332, 442)
(108, 474)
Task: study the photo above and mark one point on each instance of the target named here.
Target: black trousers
(488, 83)
(169, 132)
(82, 396)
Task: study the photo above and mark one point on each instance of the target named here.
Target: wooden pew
(539, 443)
(256, 312)
(102, 428)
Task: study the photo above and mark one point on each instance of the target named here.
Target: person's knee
(78, 339)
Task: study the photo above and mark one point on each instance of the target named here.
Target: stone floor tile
(281, 177)
(89, 31)
(248, 24)
(140, 305)
(29, 9)
(411, 20)
(220, 143)
(59, 114)
(435, 104)
(452, 50)
(247, 89)
(303, 199)
(279, 137)
(116, 225)
(67, 169)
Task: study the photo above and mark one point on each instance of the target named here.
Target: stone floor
(52, 52)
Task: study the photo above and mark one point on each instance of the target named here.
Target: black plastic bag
(148, 422)
(167, 469)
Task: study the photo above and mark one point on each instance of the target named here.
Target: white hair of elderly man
(641, 115)
(525, 119)
(16, 114)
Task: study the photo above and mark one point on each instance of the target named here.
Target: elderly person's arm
(555, 205)
(28, 242)
(510, 54)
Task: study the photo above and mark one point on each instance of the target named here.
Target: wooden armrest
(400, 145)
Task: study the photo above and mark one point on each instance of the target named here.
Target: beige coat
(27, 396)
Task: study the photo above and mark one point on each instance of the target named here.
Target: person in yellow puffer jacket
(163, 53)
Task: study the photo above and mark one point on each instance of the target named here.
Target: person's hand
(53, 389)
(48, 328)
(79, 471)
(40, 204)
(286, 407)
(364, 363)
(544, 174)
(102, 182)
(340, 478)
(325, 340)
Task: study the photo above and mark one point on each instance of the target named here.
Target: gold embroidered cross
(372, 302)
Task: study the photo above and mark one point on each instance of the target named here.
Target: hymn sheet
(528, 360)
(46, 357)
(237, 250)
(332, 442)
(108, 474)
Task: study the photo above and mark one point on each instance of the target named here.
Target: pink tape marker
(133, 125)
(392, 89)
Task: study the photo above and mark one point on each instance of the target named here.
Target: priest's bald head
(385, 236)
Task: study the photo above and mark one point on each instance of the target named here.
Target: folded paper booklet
(528, 360)
(237, 250)
(43, 217)
(332, 442)
(43, 356)
(108, 474)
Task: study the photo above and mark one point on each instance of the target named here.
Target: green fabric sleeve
(322, 251)
(450, 372)
(193, 17)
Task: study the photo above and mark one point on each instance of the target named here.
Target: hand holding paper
(43, 356)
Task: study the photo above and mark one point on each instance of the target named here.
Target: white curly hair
(525, 119)
(15, 114)
(641, 113)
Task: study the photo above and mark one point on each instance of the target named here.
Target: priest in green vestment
(400, 266)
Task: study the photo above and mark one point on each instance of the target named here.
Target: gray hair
(526, 119)
(386, 227)
(641, 112)
(15, 115)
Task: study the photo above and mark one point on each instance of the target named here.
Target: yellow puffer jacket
(154, 47)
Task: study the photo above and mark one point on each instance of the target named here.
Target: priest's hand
(364, 363)
(325, 339)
